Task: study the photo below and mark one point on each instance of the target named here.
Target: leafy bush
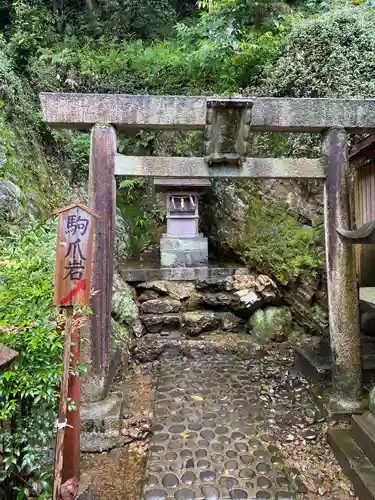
(186, 65)
(28, 389)
(332, 55)
(238, 16)
(326, 55)
(141, 209)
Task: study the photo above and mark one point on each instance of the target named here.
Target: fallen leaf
(197, 398)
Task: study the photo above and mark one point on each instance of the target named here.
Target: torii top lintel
(82, 111)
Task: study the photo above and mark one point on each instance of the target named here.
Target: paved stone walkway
(214, 424)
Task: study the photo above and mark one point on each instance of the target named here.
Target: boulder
(121, 337)
(148, 295)
(254, 290)
(307, 297)
(303, 197)
(222, 300)
(195, 322)
(178, 290)
(250, 299)
(228, 321)
(160, 306)
(155, 323)
(15, 206)
(271, 323)
(124, 309)
(159, 286)
(194, 301)
(259, 283)
(215, 284)
(121, 333)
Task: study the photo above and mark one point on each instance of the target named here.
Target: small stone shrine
(183, 245)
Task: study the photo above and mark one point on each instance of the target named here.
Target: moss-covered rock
(271, 323)
(15, 207)
(121, 334)
(262, 233)
(124, 309)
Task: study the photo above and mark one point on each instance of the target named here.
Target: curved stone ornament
(361, 236)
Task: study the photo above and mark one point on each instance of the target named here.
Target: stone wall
(171, 311)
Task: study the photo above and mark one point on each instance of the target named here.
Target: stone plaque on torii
(227, 123)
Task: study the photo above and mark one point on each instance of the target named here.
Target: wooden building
(362, 160)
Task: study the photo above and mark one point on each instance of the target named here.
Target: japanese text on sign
(74, 255)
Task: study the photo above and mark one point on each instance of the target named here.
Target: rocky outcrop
(234, 221)
(155, 323)
(148, 295)
(124, 308)
(221, 300)
(196, 322)
(178, 290)
(303, 197)
(307, 297)
(15, 206)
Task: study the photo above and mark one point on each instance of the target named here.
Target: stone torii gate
(227, 123)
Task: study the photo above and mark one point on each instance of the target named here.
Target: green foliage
(238, 16)
(28, 389)
(326, 55)
(182, 66)
(130, 46)
(23, 158)
(33, 26)
(80, 153)
(144, 19)
(141, 209)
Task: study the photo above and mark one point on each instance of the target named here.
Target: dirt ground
(119, 474)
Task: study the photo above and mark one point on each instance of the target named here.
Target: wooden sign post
(74, 246)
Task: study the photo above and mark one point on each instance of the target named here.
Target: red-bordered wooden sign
(75, 238)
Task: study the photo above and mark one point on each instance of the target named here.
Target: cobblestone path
(214, 427)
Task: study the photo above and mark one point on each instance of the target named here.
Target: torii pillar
(341, 277)
(102, 199)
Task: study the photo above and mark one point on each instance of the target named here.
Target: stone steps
(355, 451)
(156, 347)
(313, 360)
(191, 322)
(363, 431)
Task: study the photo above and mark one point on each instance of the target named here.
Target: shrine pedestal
(183, 246)
(183, 251)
